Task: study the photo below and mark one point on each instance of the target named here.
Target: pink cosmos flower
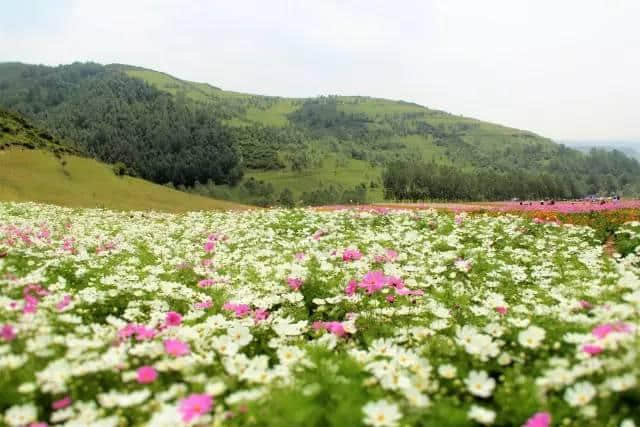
(68, 245)
(203, 305)
(30, 304)
(336, 328)
(585, 304)
(62, 403)
(605, 329)
(38, 424)
(351, 288)
(146, 374)
(592, 350)
(194, 406)
(539, 419)
(173, 319)
(294, 283)
(64, 302)
(260, 314)
(351, 255)
(7, 333)
(373, 281)
(501, 310)
(176, 348)
(390, 298)
(141, 332)
(205, 283)
(209, 246)
(241, 310)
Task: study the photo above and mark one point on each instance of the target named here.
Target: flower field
(309, 318)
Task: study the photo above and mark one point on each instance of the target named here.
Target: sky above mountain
(564, 69)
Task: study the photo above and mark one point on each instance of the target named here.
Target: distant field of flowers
(307, 318)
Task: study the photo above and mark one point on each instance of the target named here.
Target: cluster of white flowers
(159, 319)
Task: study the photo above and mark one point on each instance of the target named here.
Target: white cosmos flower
(531, 337)
(447, 371)
(580, 394)
(480, 384)
(20, 415)
(481, 415)
(381, 413)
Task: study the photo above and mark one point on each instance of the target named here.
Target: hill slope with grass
(269, 149)
(34, 166)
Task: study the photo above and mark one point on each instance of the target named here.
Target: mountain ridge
(271, 145)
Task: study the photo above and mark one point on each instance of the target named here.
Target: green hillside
(268, 149)
(34, 166)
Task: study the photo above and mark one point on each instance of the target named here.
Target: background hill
(329, 149)
(34, 166)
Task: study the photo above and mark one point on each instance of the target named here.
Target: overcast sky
(564, 69)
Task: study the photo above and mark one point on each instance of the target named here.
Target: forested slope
(319, 150)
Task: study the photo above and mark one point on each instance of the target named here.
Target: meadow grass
(36, 175)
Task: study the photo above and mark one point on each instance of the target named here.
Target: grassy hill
(255, 149)
(37, 167)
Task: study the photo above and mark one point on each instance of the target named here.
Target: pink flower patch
(194, 406)
(336, 328)
(260, 314)
(241, 310)
(173, 319)
(209, 246)
(539, 419)
(203, 305)
(592, 350)
(146, 374)
(501, 310)
(62, 403)
(176, 348)
(349, 255)
(205, 283)
(294, 283)
(63, 303)
(7, 333)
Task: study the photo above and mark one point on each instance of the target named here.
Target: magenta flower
(203, 305)
(336, 328)
(294, 283)
(351, 255)
(141, 332)
(351, 288)
(173, 319)
(7, 333)
(209, 246)
(62, 403)
(146, 374)
(241, 310)
(176, 348)
(592, 350)
(539, 419)
(205, 283)
(30, 304)
(260, 314)
(194, 406)
(63, 303)
(373, 281)
(501, 310)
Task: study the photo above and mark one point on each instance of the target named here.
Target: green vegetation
(207, 140)
(35, 166)
(38, 175)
